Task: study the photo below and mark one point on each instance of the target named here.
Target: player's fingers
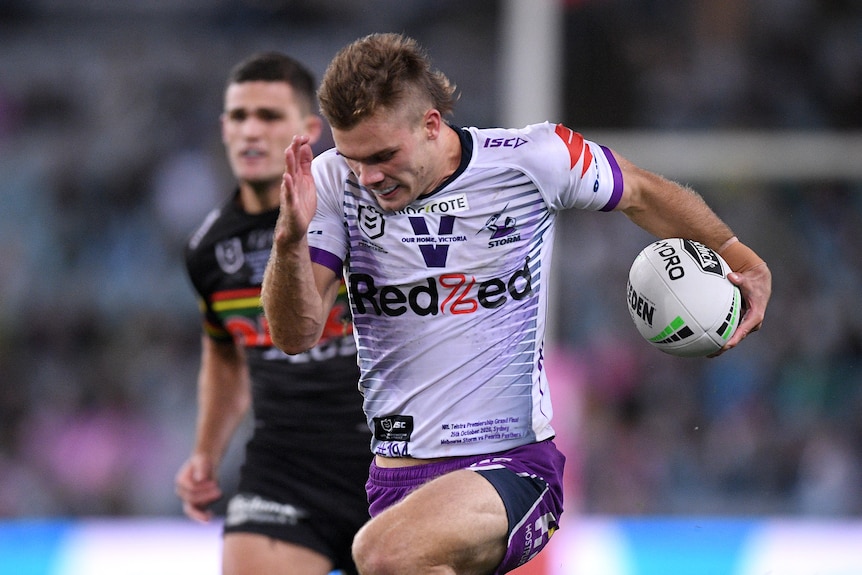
(191, 487)
(290, 159)
(756, 288)
(199, 514)
(185, 482)
(305, 155)
(748, 325)
(197, 509)
(205, 491)
(295, 154)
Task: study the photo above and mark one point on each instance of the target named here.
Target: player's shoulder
(227, 221)
(515, 144)
(205, 230)
(331, 174)
(329, 162)
(536, 149)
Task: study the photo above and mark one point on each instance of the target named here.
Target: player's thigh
(253, 554)
(457, 519)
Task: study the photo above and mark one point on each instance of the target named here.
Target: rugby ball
(680, 299)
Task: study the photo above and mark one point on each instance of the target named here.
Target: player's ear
(223, 125)
(432, 122)
(313, 128)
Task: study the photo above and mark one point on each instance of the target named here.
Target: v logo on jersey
(434, 254)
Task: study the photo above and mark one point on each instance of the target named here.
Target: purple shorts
(529, 480)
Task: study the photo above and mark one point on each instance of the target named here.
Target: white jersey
(449, 295)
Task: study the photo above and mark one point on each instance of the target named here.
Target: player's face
(393, 156)
(258, 123)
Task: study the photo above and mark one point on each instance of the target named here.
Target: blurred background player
(301, 495)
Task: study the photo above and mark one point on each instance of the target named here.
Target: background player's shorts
(529, 479)
(301, 497)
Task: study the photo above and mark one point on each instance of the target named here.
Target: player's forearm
(667, 209)
(291, 301)
(224, 398)
(215, 428)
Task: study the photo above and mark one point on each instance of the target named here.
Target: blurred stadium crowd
(110, 156)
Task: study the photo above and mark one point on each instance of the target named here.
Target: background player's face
(258, 123)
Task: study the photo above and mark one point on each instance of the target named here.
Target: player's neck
(451, 156)
(256, 200)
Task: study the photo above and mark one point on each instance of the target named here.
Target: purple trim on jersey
(618, 181)
(325, 259)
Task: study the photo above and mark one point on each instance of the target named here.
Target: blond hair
(381, 71)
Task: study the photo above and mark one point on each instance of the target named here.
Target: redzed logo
(458, 294)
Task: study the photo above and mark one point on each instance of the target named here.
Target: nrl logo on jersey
(371, 221)
(229, 255)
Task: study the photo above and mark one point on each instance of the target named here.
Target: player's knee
(373, 556)
(368, 555)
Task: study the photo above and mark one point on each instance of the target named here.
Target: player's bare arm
(224, 397)
(296, 294)
(667, 209)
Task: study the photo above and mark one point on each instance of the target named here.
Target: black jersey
(310, 399)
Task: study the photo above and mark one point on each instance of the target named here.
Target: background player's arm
(224, 397)
(666, 209)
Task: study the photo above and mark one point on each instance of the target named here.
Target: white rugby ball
(680, 299)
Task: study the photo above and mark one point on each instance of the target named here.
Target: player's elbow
(283, 330)
(292, 342)
(294, 349)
